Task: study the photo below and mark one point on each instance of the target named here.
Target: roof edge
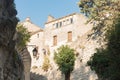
(61, 17)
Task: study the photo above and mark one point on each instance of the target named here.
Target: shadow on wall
(35, 76)
(83, 73)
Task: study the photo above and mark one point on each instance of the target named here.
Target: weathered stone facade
(68, 30)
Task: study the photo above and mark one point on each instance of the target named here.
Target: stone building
(68, 30)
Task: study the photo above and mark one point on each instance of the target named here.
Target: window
(56, 25)
(53, 25)
(60, 24)
(64, 22)
(55, 40)
(71, 20)
(37, 35)
(67, 19)
(69, 36)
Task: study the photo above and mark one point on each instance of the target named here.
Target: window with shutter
(69, 36)
(55, 40)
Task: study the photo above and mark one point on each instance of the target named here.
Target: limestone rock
(11, 65)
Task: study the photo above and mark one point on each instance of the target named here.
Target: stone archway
(26, 58)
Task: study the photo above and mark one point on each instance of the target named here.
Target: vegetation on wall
(23, 36)
(46, 63)
(65, 58)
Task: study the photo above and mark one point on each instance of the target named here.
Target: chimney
(50, 18)
(27, 19)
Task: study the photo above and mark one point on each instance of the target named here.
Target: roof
(61, 18)
(30, 26)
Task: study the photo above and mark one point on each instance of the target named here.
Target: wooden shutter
(69, 36)
(55, 40)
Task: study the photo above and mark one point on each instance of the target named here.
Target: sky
(38, 10)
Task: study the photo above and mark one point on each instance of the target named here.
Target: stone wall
(81, 43)
(84, 47)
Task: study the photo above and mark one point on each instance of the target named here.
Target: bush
(46, 64)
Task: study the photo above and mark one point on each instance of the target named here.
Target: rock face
(11, 65)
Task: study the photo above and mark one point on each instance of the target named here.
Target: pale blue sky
(38, 10)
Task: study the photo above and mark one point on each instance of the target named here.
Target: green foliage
(23, 35)
(97, 9)
(46, 64)
(106, 62)
(106, 16)
(100, 62)
(101, 12)
(65, 59)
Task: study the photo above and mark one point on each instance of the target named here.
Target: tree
(106, 15)
(23, 35)
(11, 66)
(65, 59)
(99, 62)
(106, 61)
(102, 13)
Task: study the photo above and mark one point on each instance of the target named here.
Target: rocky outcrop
(11, 65)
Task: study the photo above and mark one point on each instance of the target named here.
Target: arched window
(71, 20)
